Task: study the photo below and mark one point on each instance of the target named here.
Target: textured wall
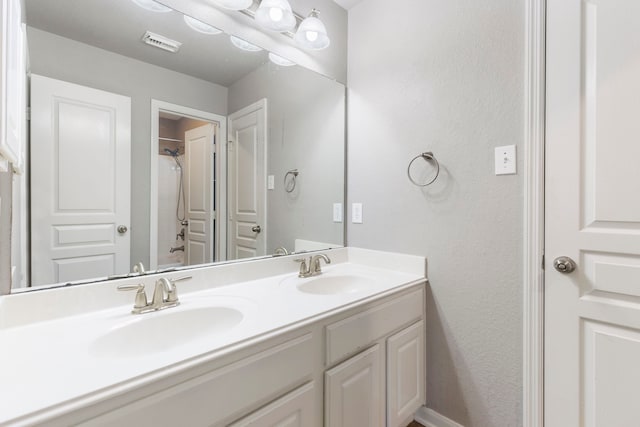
(447, 77)
(67, 60)
(306, 119)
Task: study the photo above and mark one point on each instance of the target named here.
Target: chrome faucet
(280, 251)
(179, 248)
(165, 295)
(139, 268)
(313, 268)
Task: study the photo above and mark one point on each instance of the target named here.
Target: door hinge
(28, 114)
(542, 262)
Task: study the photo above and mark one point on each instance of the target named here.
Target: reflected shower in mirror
(158, 141)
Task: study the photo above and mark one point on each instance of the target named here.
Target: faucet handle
(304, 270)
(139, 268)
(172, 294)
(141, 295)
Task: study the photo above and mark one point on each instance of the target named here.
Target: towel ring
(428, 157)
(289, 186)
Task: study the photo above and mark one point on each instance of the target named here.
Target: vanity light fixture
(279, 60)
(235, 4)
(201, 27)
(312, 34)
(276, 15)
(244, 45)
(152, 5)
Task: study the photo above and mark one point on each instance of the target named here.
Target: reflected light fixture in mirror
(312, 34)
(201, 27)
(244, 45)
(279, 60)
(276, 15)
(152, 5)
(235, 4)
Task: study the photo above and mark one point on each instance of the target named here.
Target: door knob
(122, 229)
(564, 264)
(256, 229)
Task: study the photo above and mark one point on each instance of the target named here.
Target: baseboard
(430, 418)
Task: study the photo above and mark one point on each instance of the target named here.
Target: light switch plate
(271, 184)
(337, 212)
(505, 160)
(356, 213)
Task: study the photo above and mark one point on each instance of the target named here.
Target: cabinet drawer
(218, 395)
(354, 333)
(295, 409)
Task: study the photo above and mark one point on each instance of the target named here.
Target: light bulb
(276, 14)
(244, 45)
(234, 4)
(279, 60)
(152, 5)
(312, 34)
(200, 26)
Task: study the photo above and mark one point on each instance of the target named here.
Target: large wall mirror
(155, 142)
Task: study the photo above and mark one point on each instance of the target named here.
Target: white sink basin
(334, 284)
(163, 330)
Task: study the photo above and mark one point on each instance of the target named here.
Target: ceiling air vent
(161, 42)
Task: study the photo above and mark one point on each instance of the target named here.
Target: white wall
(306, 115)
(75, 62)
(446, 77)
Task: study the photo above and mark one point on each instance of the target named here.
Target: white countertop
(51, 353)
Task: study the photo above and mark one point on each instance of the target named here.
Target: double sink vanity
(239, 344)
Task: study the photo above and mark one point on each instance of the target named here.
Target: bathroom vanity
(249, 344)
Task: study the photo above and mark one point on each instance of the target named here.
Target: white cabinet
(363, 366)
(405, 374)
(354, 391)
(296, 409)
(13, 87)
(393, 332)
(221, 395)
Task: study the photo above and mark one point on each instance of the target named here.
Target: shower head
(174, 153)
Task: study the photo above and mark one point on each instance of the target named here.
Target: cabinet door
(354, 391)
(406, 380)
(295, 409)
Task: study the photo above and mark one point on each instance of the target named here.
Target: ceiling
(348, 4)
(118, 26)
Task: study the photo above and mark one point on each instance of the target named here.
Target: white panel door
(199, 149)
(405, 375)
(247, 181)
(80, 181)
(354, 391)
(12, 83)
(592, 316)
